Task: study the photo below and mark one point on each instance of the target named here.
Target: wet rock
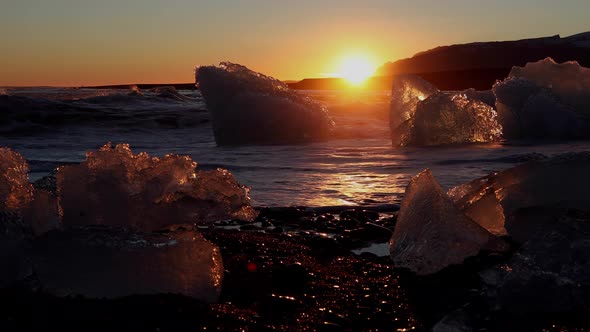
(456, 321)
(105, 262)
(249, 227)
(289, 278)
(282, 214)
(359, 215)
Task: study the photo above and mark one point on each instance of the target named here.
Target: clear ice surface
(504, 202)
(431, 232)
(37, 208)
(420, 114)
(568, 80)
(113, 186)
(15, 190)
(107, 262)
(544, 99)
(247, 107)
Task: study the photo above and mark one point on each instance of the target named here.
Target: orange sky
(75, 43)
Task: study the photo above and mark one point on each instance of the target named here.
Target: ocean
(56, 126)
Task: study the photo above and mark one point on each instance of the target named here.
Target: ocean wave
(162, 108)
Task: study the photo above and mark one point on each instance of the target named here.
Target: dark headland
(455, 67)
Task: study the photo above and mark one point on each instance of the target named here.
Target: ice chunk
(422, 115)
(116, 187)
(407, 92)
(15, 190)
(506, 199)
(526, 109)
(568, 80)
(544, 99)
(38, 208)
(448, 119)
(248, 107)
(105, 262)
(431, 233)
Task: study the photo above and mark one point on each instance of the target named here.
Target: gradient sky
(80, 42)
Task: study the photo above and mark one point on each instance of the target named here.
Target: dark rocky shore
(297, 268)
(293, 270)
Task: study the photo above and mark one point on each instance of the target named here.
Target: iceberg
(544, 99)
(420, 114)
(431, 232)
(568, 80)
(106, 262)
(247, 107)
(113, 186)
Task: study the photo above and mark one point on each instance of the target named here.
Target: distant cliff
(480, 64)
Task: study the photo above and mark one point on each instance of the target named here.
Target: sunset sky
(81, 42)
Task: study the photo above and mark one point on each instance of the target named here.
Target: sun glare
(356, 69)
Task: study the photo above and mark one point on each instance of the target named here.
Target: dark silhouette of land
(456, 67)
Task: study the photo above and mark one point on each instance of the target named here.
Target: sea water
(358, 167)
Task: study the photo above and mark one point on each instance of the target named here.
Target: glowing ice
(431, 233)
(422, 115)
(116, 187)
(104, 262)
(248, 107)
(38, 208)
(407, 92)
(501, 201)
(15, 190)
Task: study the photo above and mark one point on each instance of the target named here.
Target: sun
(356, 69)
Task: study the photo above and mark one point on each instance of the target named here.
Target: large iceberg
(431, 232)
(247, 107)
(116, 187)
(544, 99)
(420, 114)
(105, 262)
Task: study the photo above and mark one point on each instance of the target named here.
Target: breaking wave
(157, 108)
